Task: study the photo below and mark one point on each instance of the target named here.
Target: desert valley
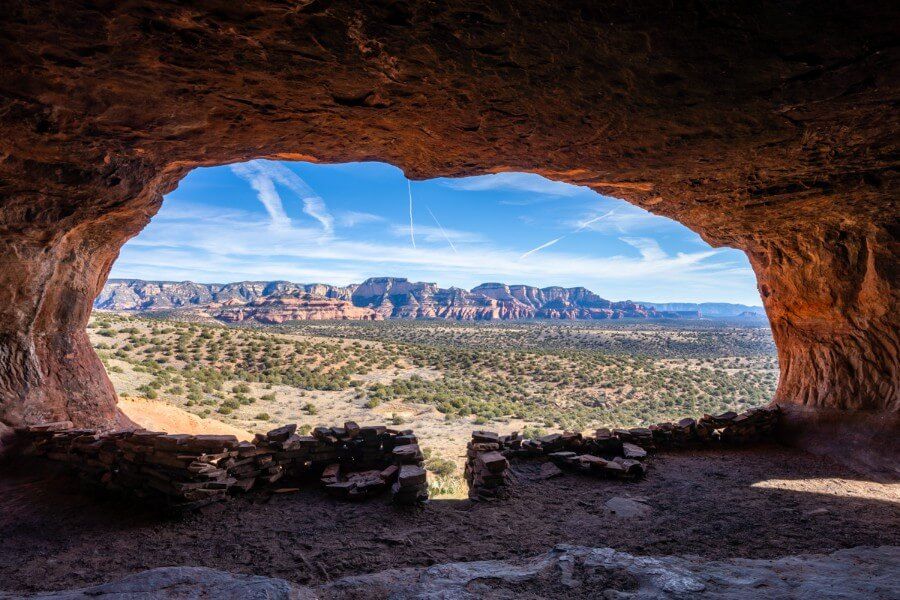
(239, 357)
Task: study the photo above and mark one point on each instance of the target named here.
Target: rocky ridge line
(374, 299)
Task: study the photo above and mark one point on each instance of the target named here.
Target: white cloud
(517, 182)
(182, 264)
(352, 218)
(264, 174)
(436, 234)
(190, 241)
(265, 191)
(581, 227)
(624, 219)
(648, 248)
(182, 242)
(412, 233)
(585, 224)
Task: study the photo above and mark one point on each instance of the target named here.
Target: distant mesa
(294, 306)
(710, 309)
(377, 298)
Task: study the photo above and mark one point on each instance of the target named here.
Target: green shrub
(531, 433)
(440, 466)
(445, 486)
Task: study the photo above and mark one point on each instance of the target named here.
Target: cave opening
(662, 325)
(767, 127)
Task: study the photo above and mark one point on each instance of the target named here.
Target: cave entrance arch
(765, 128)
(271, 243)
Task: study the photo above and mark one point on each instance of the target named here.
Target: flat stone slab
(855, 573)
(626, 508)
(182, 583)
(549, 470)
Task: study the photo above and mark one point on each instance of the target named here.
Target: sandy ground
(332, 408)
(756, 503)
(159, 416)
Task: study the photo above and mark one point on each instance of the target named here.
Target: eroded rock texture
(768, 126)
(565, 571)
(294, 307)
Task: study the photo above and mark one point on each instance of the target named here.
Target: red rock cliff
(767, 126)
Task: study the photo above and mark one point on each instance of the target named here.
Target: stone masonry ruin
(186, 472)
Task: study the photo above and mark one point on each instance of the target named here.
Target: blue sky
(340, 224)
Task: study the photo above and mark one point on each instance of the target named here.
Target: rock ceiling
(770, 128)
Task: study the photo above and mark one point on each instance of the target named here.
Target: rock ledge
(576, 571)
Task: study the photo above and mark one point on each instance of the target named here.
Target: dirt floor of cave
(761, 503)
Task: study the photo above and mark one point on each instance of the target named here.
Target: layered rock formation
(139, 295)
(293, 307)
(767, 126)
(400, 298)
(382, 297)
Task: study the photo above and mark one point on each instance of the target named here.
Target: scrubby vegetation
(573, 375)
(540, 375)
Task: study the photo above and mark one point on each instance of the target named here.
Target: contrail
(594, 220)
(562, 237)
(412, 235)
(541, 247)
(444, 233)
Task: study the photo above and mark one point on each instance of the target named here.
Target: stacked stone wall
(188, 471)
(487, 469)
(352, 462)
(612, 454)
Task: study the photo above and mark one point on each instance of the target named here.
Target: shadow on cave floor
(763, 502)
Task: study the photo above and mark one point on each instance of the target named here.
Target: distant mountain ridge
(709, 309)
(378, 298)
(138, 294)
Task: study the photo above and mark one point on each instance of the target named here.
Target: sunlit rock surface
(294, 307)
(386, 297)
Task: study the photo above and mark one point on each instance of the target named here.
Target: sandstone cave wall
(766, 126)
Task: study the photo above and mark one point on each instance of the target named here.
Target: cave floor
(764, 502)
